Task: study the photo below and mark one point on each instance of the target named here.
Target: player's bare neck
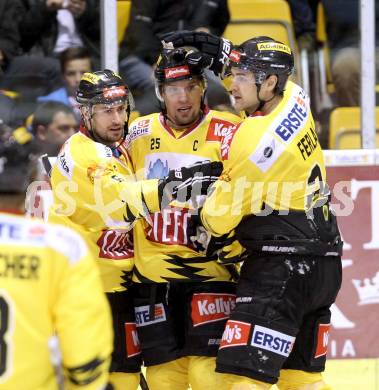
(271, 104)
(181, 128)
(97, 138)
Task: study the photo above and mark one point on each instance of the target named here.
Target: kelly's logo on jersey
(236, 333)
(178, 71)
(211, 307)
(272, 340)
(218, 129)
(143, 315)
(133, 346)
(226, 142)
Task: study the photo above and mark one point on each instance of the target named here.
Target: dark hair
(45, 112)
(73, 53)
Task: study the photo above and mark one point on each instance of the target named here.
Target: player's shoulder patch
(64, 161)
(226, 141)
(267, 152)
(140, 127)
(67, 242)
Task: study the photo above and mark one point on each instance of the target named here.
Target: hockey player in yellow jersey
(273, 192)
(173, 271)
(49, 289)
(95, 190)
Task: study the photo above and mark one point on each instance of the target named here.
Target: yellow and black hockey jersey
(98, 192)
(49, 285)
(163, 252)
(270, 162)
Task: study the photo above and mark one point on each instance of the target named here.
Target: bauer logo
(179, 71)
(218, 129)
(143, 315)
(211, 307)
(322, 340)
(236, 333)
(272, 340)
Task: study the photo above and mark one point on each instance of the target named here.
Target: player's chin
(187, 118)
(116, 135)
(238, 104)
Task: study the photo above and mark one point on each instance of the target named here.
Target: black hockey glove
(186, 183)
(217, 48)
(202, 239)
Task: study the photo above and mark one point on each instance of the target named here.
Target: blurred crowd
(47, 45)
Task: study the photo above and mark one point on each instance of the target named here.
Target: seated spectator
(10, 13)
(141, 44)
(7, 109)
(344, 43)
(48, 27)
(53, 123)
(74, 61)
(302, 13)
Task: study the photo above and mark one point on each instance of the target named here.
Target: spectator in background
(342, 23)
(304, 23)
(53, 123)
(141, 44)
(7, 109)
(51, 26)
(10, 12)
(74, 61)
(47, 28)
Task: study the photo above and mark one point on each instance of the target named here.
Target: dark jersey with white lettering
(163, 252)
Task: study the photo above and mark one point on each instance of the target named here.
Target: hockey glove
(186, 183)
(217, 48)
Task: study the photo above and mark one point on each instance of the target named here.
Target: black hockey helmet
(103, 87)
(180, 64)
(264, 56)
(18, 165)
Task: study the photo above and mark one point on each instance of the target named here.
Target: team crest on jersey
(158, 164)
(157, 170)
(139, 129)
(218, 129)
